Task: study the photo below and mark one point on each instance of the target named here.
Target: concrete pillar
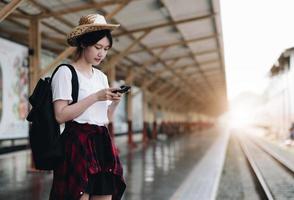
(111, 76)
(145, 109)
(34, 61)
(34, 53)
(154, 110)
(129, 81)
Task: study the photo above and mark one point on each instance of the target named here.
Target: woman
(92, 169)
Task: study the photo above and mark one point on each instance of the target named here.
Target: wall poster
(13, 90)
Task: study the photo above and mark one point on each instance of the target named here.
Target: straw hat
(89, 23)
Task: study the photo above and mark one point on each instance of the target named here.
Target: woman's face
(96, 53)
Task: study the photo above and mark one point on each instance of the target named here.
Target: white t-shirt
(62, 88)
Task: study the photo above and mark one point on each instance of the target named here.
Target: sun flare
(241, 116)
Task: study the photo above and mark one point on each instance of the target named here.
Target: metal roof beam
(87, 6)
(9, 8)
(169, 68)
(148, 50)
(45, 9)
(183, 56)
(185, 42)
(154, 75)
(218, 43)
(177, 43)
(128, 32)
(118, 8)
(144, 66)
(67, 52)
(117, 58)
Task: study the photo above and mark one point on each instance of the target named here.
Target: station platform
(173, 168)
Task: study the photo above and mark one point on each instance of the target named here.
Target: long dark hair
(89, 39)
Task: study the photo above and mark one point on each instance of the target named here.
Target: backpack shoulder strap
(74, 81)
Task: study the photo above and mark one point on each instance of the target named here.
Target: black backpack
(44, 133)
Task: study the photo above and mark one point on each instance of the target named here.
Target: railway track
(274, 175)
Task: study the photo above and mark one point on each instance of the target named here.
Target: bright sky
(255, 33)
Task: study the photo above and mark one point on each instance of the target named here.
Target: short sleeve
(61, 84)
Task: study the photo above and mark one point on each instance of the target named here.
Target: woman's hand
(115, 98)
(108, 94)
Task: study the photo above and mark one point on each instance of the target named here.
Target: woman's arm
(112, 106)
(65, 112)
(111, 109)
(114, 103)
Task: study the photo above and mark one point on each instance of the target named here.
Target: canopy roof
(174, 47)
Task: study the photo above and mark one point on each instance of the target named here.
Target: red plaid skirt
(82, 160)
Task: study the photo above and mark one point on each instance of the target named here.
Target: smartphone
(123, 89)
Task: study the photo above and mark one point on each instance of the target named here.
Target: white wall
(279, 106)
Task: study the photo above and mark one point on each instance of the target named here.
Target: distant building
(279, 96)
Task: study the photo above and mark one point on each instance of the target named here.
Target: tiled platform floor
(158, 172)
